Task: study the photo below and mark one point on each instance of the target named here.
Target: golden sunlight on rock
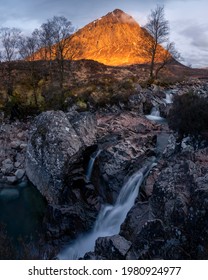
(115, 39)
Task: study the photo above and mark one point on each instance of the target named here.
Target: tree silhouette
(158, 31)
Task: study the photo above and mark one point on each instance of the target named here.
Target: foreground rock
(172, 222)
(126, 140)
(13, 145)
(56, 142)
(58, 153)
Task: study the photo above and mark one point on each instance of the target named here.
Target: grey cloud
(30, 14)
(197, 34)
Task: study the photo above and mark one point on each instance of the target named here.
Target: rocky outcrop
(126, 140)
(56, 142)
(170, 217)
(13, 143)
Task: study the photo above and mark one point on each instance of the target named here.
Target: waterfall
(155, 115)
(110, 217)
(168, 98)
(91, 164)
(155, 112)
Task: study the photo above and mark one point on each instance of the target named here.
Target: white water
(91, 164)
(168, 98)
(155, 115)
(155, 112)
(109, 219)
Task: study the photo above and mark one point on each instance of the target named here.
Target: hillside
(114, 39)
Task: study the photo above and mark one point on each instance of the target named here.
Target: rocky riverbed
(13, 145)
(53, 152)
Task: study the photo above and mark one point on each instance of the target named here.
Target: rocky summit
(114, 39)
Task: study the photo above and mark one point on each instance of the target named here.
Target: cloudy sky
(187, 18)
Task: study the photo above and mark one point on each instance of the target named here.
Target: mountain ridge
(114, 39)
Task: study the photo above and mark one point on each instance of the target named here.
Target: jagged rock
(91, 256)
(136, 102)
(126, 140)
(135, 220)
(71, 220)
(55, 144)
(13, 138)
(179, 200)
(114, 247)
(149, 241)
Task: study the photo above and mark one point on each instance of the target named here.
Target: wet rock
(11, 179)
(114, 247)
(71, 220)
(19, 173)
(149, 242)
(135, 220)
(126, 140)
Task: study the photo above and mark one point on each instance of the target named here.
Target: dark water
(21, 209)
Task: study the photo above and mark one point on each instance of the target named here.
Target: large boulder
(56, 142)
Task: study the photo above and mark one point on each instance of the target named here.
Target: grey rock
(113, 247)
(126, 140)
(7, 161)
(135, 220)
(20, 173)
(71, 220)
(15, 144)
(7, 168)
(17, 164)
(11, 179)
(23, 146)
(56, 142)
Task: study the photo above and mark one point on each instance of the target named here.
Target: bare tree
(53, 37)
(46, 40)
(62, 29)
(9, 41)
(158, 36)
(28, 46)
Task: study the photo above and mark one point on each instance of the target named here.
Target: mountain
(114, 39)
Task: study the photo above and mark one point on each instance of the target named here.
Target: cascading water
(155, 115)
(91, 164)
(155, 112)
(110, 217)
(168, 98)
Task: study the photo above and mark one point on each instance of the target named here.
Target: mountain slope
(115, 39)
